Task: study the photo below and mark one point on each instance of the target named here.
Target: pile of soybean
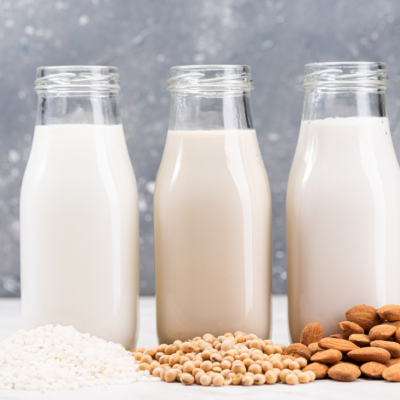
(231, 359)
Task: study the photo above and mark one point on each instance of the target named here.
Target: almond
(391, 312)
(382, 332)
(298, 350)
(345, 358)
(350, 328)
(360, 340)
(373, 369)
(397, 335)
(396, 324)
(314, 348)
(339, 336)
(363, 315)
(367, 354)
(392, 373)
(392, 361)
(344, 372)
(311, 333)
(320, 370)
(337, 344)
(327, 356)
(392, 347)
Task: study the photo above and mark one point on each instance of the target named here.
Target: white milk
(79, 232)
(343, 221)
(212, 213)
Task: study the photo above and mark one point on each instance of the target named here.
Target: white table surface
(327, 389)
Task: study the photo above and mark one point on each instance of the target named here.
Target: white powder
(59, 357)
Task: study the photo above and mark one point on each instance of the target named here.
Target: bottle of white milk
(212, 210)
(79, 210)
(343, 199)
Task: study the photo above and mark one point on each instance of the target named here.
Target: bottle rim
(77, 78)
(346, 76)
(210, 78)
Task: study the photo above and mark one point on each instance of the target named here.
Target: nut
(344, 372)
(337, 344)
(350, 328)
(367, 354)
(365, 316)
(391, 312)
(394, 323)
(397, 335)
(339, 336)
(392, 373)
(360, 340)
(320, 370)
(298, 350)
(392, 347)
(382, 332)
(314, 348)
(373, 369)
(327, 356)
(392, 361)
(311, 333)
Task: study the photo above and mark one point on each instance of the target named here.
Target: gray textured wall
(144, 38)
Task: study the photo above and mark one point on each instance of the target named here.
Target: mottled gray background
(143, 38)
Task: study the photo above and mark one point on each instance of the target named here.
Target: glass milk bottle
(212, 210)
(343, 199)
(79, 209)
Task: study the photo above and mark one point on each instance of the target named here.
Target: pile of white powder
(59, 357)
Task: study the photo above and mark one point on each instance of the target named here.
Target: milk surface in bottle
(343, 199)
(212, 210)
(79, 212)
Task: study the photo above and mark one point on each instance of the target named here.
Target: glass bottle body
(212, 215)
(79, 212)
(343, 201)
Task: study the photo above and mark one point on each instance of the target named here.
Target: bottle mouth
(210, 78)
(345, 76)
(78, 79)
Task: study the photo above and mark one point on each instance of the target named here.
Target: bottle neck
(320, 104)
(89, 108)
(202, 111)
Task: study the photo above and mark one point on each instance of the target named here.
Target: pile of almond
(369, 344)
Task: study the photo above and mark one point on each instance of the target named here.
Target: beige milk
(212, 213)
(79, 232)
(343, 221)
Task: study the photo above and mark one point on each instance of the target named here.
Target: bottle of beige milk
(343, 199)
(212, 210)
(79, 209)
